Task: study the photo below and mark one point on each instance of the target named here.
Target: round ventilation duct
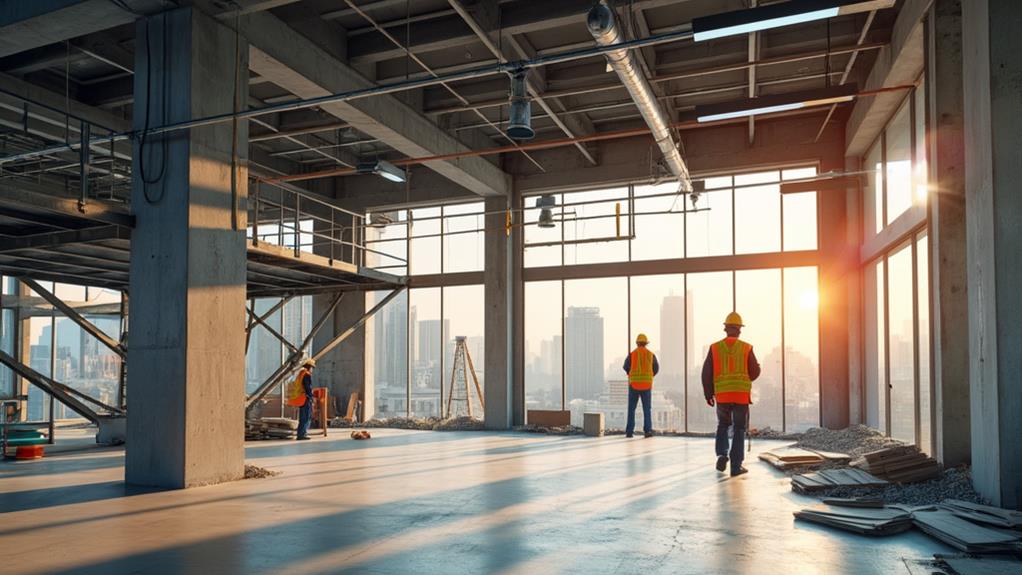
(520, 122)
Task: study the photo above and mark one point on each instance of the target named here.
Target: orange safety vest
(640, 374)
(731, 381)
(296, 390)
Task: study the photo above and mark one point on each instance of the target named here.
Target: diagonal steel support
(292, 361)
(272, 331)
(56, 390)
(74, 316)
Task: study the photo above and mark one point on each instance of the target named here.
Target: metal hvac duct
(603, 26)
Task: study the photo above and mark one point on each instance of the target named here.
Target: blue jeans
(305, 417)
(728, 415)
(634, 396)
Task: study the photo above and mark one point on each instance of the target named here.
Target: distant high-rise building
(429, 345)
(391, 343)
(671, 347)
(583, 332)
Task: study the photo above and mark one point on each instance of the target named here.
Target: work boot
(739, 471)
(648, 434)
(628, 435)
(721, 463)
(303, 438)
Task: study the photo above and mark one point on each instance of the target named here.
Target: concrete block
(592, 424)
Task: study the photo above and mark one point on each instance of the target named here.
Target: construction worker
(640, 365)
(299, 394)
(728, 373)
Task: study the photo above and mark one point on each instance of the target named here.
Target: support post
(188, 257)
(993, 137)
(496, 376)
(947, 233)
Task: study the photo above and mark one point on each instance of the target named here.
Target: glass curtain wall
(896, 281)
(682, 314)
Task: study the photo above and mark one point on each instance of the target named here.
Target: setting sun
(809, 299)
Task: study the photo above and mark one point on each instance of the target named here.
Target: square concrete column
(496, 306)
(947, 237)
(344, 370)
(835, 274)
(186, 382)
(992, 68)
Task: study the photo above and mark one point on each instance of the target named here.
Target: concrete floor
(434, 502)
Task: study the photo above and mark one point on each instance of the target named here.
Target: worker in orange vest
(299, 394)
(640, 365)
(728, 373)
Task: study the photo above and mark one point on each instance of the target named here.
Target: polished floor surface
(434, 502)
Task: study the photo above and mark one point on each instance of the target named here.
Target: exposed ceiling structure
(359, 44)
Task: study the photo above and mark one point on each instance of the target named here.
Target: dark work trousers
(634, 395)
(729, 414)
(305, 417)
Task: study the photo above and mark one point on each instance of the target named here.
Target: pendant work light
(776, 103)
(381, 168)
(778, 15)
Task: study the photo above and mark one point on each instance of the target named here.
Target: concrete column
(993, 137)
(187, 344)
(853, 289)
(497, 384)
(836, 270)
(947, 233)
(517, 315)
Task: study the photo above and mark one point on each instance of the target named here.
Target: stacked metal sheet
(270, 428)
(791, 456)
(901, 464)
(965, 535)
(883, 521)
(995, 516)
(828, 478)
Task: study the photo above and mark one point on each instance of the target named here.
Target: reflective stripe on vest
(296, 391)
(640, 376)
(731, 368)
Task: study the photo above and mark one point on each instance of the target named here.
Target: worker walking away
(640, 365)
(728, 373)
(299, 394)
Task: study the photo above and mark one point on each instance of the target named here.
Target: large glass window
(427, 351)
(596, 341)
(590, 216)
(463, 237)
(898, 160)
(799, 214)
(464, 320)
(388, 355)
(543, 345)
(709, 232)
(923, 307)
(658, 310)
(711, 299)
(659, 223)
(8, 287)
(758, 212)
(801, 348)
(757, 295)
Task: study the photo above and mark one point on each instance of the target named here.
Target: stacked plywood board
(901, 464)
(994, 516)
(883, 521)
(270, 428)
(965, 535)
(791, 456)
(828, 478)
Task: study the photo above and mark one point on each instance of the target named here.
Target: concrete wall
(993, 169)
(186, 349)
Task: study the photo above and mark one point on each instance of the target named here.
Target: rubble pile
(463, 423)
(256, 472)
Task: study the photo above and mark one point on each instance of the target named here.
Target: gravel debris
(256, 472)
(954, 483)
(854, 440)
(556, 430)
(463, 423)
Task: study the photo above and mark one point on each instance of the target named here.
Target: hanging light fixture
(546, 214)
(776, 103)
(381, 168)
(778, 15)
(519, 125)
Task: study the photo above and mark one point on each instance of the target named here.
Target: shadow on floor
(69, 495)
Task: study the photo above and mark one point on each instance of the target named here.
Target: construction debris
(878, 522)
(954, 483)
(360, 434)
(995, 516)
(830, 478)
(790, 457)
(463, 423)
(854, 441)
(963, 534)
(899, 464)
(256, 472)
(860, 502)
(557, 430)
(270, 428)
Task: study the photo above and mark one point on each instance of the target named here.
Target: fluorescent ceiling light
(381, 168)
(776, 103)
(778, 15)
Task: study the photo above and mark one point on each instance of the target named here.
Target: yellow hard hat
(734, 319)
(642, 338)
(309, 362)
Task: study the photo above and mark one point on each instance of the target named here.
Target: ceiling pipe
(603, 25)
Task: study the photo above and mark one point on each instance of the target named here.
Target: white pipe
(603, 26)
